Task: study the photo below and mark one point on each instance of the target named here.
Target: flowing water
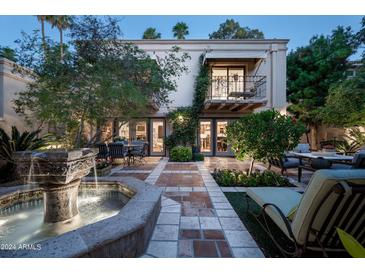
(23, 223)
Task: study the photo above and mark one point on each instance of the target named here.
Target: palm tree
(61, 22)
(180, 30)
(42, 19)
(8, 53)
(151, 33)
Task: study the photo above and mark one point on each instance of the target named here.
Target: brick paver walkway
(196, 219)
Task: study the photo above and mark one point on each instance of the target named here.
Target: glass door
(222, 147)
(157, 137)
(205, 137)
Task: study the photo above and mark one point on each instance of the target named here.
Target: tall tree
(8, 53)
(312, 70)
(231, 29)
(42, 19)
(61, 22)
(100, 78)
(345, 103)
(180, 30)
(151, 33)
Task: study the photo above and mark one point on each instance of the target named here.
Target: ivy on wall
(185, 120)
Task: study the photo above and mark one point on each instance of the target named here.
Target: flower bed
(232, 177)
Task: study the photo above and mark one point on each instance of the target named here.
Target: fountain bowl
(125, 234)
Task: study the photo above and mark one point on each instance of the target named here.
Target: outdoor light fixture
(180, 118)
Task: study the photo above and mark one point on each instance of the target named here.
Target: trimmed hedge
(181, 154)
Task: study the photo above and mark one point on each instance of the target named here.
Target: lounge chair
(333, 198)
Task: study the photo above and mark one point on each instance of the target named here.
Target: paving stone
(189, 222)
(222, 205)
(168, 202)
(190, 234)
(186, 249)
(209, 223)
(171, 189)
(166, 233)
(228, 189)
(161, 249)
(204, 249)
(250, 252)
(219, 199)
(232, 224)
(240, 239)
(226, 213)
(213, 234)
(168, 219)
(216, 194)
(224, 250)
(186, 189)
(171, 209)
(199, 189)
(241, 189)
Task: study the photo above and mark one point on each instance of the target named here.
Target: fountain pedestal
(59, 173)
(60, 201)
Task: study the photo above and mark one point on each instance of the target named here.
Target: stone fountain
(59, 174)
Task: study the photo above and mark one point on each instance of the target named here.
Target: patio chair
(117, 151)
(357, 162)
(140, 151)
(103, 151)
(333, 199)
(284, 163)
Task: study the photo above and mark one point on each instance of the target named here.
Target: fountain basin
(59, 174)
(125, 234)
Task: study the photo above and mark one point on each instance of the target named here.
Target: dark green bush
(198, 157)
(181, 154)
(229, 177)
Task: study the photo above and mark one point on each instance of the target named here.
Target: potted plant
(103, 168)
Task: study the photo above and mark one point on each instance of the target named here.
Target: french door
(157, 137)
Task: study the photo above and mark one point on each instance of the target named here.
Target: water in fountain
(63, 207)
(23, 223)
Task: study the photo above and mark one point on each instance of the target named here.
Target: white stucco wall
(10, 84)
(273, 66)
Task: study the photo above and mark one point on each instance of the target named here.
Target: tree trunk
(61, 43)
(251, 167)
(43, 37)
(79, 133)
(314, 137)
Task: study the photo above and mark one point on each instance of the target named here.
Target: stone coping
(60, 155)
(124, 235)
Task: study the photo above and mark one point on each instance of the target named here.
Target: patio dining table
(330, 157)
(327, 156)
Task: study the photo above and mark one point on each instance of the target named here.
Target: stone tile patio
(196, 219)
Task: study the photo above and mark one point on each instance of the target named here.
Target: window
(124, 130)
(205, 136)
(141, 130)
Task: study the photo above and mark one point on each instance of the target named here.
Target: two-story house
(245, 76)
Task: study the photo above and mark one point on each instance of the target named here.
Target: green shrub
(181, 154)
(198, 157)
(229, 177)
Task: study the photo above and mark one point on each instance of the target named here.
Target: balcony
(236, 93)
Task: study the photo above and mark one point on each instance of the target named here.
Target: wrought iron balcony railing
(237, 88)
